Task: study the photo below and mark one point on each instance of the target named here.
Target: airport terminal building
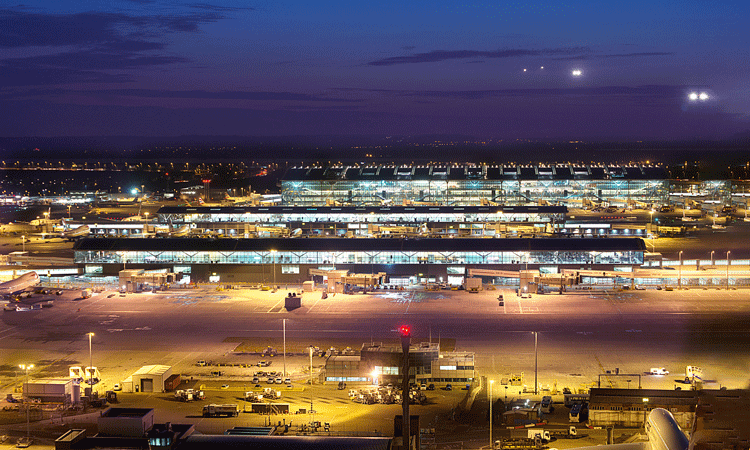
(467, 184)
(289, 260)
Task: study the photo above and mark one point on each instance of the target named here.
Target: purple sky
(254, 68)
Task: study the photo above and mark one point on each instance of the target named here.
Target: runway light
(577, 73)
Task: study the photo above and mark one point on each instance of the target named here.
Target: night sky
(500, 70)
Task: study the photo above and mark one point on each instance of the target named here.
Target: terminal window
(289, 269)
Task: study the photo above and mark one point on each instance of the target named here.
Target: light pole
(273, 255)
(284, 325)
(728, 269)
(27, 367)
(491, 382)
(311, 381)
(712, 257)
(91, 364)
(679, 275)
(536, 361)
(405, 331)
(23, 243)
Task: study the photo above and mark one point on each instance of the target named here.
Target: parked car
(431, 387)
(448, 387)
(117, 387)
(270, 380)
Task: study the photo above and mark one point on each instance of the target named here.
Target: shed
(148, 379)
(50, 390)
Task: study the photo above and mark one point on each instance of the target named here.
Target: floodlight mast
(405, 331)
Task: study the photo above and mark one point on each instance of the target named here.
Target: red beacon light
(405, 330)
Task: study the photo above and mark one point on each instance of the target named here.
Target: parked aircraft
(76, 233)
(662, 431)
(17, 286)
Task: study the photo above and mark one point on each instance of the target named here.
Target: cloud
(648, 92)
(77, 45)
(19, 76)
(443, 55)
(614, 55)
(192, 94)
(209, 7)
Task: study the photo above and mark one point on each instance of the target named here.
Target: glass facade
(473, 192)
(289, 258)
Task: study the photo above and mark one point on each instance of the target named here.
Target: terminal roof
(362, 209)
(476, 172)
(358, 245)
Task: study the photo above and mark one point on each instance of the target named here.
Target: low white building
(147, 379)
(57, 390)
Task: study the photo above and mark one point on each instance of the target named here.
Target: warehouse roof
(152, 370)
(360, 244)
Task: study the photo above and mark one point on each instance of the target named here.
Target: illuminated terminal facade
(474, 184)
(289, 260)
(564, 184)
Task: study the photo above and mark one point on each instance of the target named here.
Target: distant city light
(577, 73)
(695, 96)
(542, 67)
(524, 70)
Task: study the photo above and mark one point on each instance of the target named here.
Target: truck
(473, 284)
(547, 407)
(253, 397)
(534, 433)
(659, 371)
(220, 410)
(188, 395)
(693, 374)
(86, 293)
(271, 393)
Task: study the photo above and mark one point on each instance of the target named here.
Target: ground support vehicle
(220, 410)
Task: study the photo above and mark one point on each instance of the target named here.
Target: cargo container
(171, 383)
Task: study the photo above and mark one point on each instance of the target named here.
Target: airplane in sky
(15, 287)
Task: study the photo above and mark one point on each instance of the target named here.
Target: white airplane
(181, 232)
(75, 233)
(169, 231)
(14, 287)
(662, 431)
